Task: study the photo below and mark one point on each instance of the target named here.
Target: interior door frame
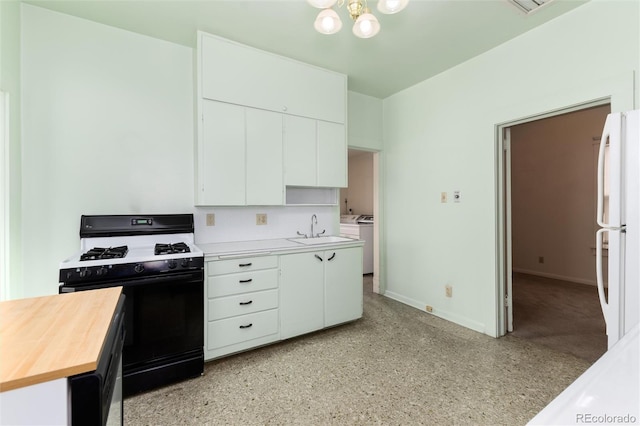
(4, 195)
(378, 267)
(504, 289)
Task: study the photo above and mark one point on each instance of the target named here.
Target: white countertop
(607, 393)
(264, 247)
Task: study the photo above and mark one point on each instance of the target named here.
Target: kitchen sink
(320, 240)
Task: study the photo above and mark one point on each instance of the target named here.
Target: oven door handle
(159, 279)
(130, 282)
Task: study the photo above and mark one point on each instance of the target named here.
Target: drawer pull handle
(244, 265)
(246, 303)
(332, 256)
(319, 258)
(246, 326)
(246, 281)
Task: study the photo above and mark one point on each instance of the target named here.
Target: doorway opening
(547, 219)
(361, 198)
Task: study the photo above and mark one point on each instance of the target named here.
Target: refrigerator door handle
(599, 276)
(606, 133)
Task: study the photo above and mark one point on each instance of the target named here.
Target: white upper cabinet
(264, 158)
(332, 155)
(239, 74)
(221, 155)
(315, 153)
(265, 122)
(239, 156)
(300, 151)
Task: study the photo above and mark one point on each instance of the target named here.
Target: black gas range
(161, 270)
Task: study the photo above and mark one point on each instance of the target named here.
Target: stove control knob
(184, 263)
(102, 271)
(138, 268)
(85, 273)
(172, 263)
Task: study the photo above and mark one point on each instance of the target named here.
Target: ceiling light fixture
(366, 24)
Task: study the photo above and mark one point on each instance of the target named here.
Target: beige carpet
(562, 315)
(395, 366)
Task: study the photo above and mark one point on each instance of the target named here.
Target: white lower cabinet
(241, 306)
(319, 289)
(239, 333)
(302, 293)
(253, 301)
(342, 285)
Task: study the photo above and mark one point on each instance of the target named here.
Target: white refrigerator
(618, 216)
(609, 391)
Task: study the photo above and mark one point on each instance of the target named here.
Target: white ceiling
(428, 37)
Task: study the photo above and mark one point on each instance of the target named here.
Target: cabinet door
(243, 75)
(221, 156)
(342, 285)
(300, 154)
(332, 155)
(301, 294)
(264, 158)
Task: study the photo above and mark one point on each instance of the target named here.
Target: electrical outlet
(261, 219)
(211, 219)
(448, 291)
(443, 197)
(429, 308)
(540, 259)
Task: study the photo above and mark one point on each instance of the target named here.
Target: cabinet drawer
(230, 266)
(241, 304)
(226, 285)
(234, 330)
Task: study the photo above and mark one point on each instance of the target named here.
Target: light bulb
(392, 4)
(389, 7)
(366, 25)
(328, 22)
(322, 4)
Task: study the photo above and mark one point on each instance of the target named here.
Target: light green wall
(10, 83)
(440, 136)
(107, 129)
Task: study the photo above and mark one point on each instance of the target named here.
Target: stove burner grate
(171, 248)
(105, 253)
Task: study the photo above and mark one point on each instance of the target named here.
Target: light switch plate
(211, 219)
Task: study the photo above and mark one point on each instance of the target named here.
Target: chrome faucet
(314, 220)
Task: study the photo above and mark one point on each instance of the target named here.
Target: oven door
(164, 325)
(165, 316)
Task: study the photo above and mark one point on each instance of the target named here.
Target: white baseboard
(449, 316)
(555, 276)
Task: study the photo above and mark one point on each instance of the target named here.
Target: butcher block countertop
(52, 337)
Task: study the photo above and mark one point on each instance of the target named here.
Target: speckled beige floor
(395, 366)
